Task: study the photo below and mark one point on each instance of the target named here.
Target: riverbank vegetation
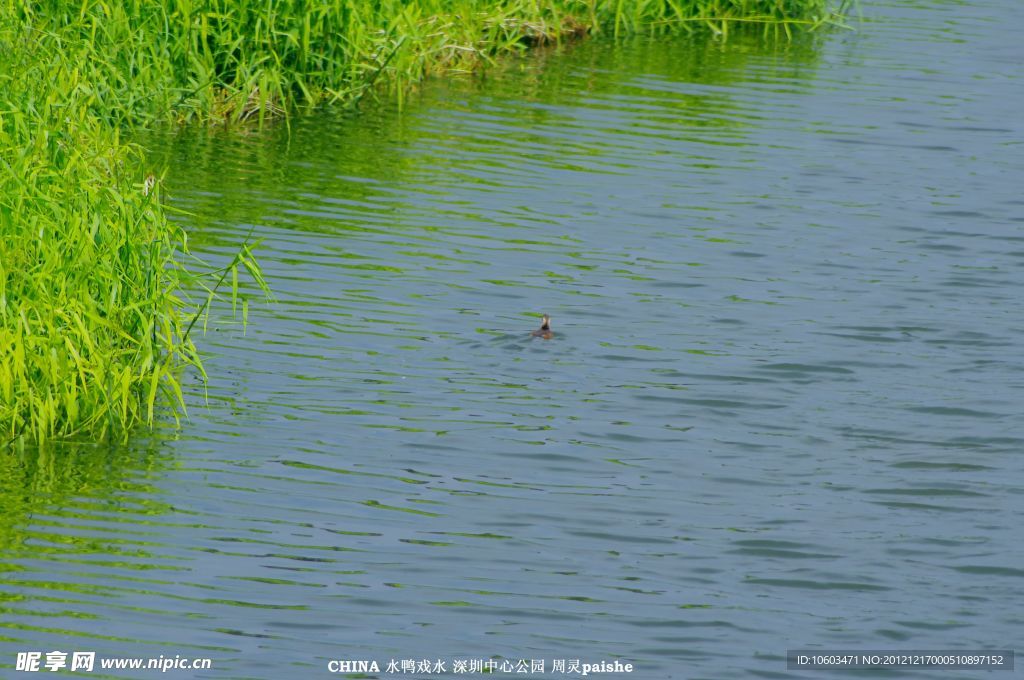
(95, 315)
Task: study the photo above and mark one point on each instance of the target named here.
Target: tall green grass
(94, 323)
(239, 59)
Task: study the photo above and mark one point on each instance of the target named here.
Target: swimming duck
(545, 328)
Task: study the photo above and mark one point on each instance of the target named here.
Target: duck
(545, 328)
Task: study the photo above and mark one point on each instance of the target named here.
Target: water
(782, 407)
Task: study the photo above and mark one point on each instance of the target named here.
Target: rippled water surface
(782, 407)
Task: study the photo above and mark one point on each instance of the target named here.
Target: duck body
(545, 329)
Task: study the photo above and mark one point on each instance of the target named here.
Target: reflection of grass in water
(90, 514)
(92, 483)
(372, 153)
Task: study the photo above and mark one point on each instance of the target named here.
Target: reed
(93, 314)
(94, 318)
(243, 59)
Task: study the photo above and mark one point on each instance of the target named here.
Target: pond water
(781, 409)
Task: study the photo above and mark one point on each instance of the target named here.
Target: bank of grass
(95, 327)
(94, 322)
(240, 59)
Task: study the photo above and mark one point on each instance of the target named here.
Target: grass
(245, 59)
(95, 325)
(93, 321)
